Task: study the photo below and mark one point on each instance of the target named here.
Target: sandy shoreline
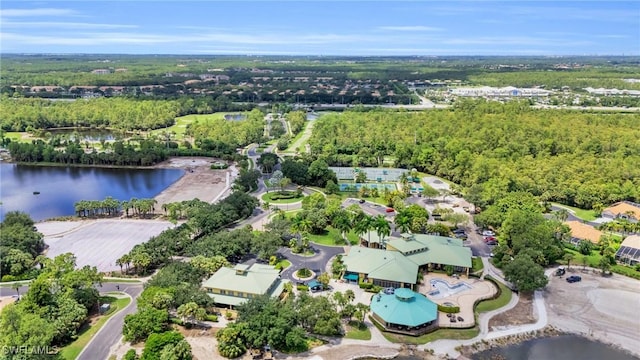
(199, 181)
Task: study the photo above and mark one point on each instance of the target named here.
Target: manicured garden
(282, 197)
(493, 304)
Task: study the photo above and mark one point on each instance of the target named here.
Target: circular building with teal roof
(405, 312)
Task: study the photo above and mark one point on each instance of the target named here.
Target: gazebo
(405, 312)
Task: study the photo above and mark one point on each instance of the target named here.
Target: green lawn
(593, 260)
(476, 264)
(456, 334)
(132, 281)
(500, 301)
(283, 264)
(358, 331)
(72, 350)
(181, 123)
(587, 215)
(332, 237)
(15, 136)
(267, 197)
(301, 138)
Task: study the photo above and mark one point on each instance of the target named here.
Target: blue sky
(321, 27)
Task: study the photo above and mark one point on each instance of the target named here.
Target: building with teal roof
(234, 286)
(404, 311)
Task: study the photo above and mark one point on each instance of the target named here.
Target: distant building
(581, 231)
(234, 286)
(509, 91)
(625, 210)
(101, 71)
(629, 252)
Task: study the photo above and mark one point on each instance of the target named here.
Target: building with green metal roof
(382, 267)
(404, 311)
(234, 286)
(395, 262)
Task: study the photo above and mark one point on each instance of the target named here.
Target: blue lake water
(556, 348)
(61, 187)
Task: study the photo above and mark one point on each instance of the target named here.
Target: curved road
(111, 332)
(316, 263)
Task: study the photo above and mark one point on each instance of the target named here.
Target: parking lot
(98, 242)
(605, 308)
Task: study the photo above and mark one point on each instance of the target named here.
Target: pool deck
(480, 289)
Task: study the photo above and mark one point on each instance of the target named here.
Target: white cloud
(36, 12)
(410, 28)
(62, 25)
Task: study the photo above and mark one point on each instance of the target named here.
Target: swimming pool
(444, 289)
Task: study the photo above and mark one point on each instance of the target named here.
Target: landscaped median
(283, 197)
(118, 301)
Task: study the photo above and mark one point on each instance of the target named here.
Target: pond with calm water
(59, 187)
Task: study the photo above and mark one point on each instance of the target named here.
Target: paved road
(111, 332)
(316, 263)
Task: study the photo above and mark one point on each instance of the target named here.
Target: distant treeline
(576, 158)
(20, 114)
(145, 153)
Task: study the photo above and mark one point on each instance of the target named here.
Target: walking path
(448, 347)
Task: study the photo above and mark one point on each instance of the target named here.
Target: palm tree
(561, 215)
(382, 226)
(301, 224)
(568, 257)
(364, 224)
(403, 220)
(16, 286)
(342, 222)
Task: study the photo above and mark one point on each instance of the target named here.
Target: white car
(488, 233)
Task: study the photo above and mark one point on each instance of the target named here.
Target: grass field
(301, 139)
(181, 123)
(358, 331)
(593, 260)
(587, 215)
(72, 350)
(500, 301)
(15, 136)
(283, 264)
(332, 238)
(476, 264)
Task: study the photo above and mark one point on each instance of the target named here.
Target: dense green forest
(576, 158)
(119, 113)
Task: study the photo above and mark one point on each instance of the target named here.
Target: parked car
(488, 239)
(573, 278)
(488, 233)
(459, 231)
(560, 271)
(493, 242)
(390, 210)
(361, 201)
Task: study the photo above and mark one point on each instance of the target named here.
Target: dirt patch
(198, 182)
(602, 308)
(4, 301)
(521, 314)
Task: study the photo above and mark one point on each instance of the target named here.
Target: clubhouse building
(231, 287)
(396, 262)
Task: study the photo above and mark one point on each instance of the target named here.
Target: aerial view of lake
(556, 348)
(51, 191)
